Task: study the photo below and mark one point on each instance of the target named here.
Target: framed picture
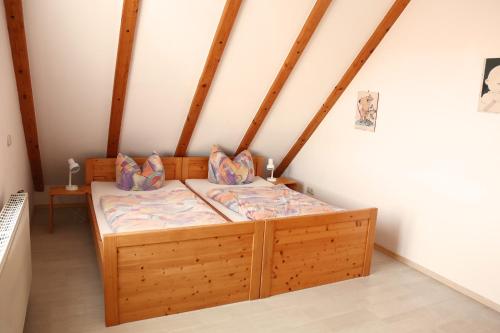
(366, 115)
(490, 92)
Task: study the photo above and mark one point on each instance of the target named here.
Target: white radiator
(15, 264)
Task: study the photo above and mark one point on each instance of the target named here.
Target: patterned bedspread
(176, 208)
(259, 203)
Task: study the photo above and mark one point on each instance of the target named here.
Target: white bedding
(202, 186)
(100, 189)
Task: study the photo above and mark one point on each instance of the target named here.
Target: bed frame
(155, 273)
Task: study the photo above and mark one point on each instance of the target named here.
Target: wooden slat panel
(181, 276)
(185, 252)
(177, 305)
(321, 228)
(197, 167)
(303, 259)
(194, 168)
(259, 164)
(168, 291)
(123, 58)
(291, 60)
(323, 253)
(384, 26)
(184, 274)
(103, 169)
(183, 234)
(328, 236)
(350, 216)
(316, 264)
(339, 243)
(306, 251)
(214, 56)
(19, 49)
(311, 279)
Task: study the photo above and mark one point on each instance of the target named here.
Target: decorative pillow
(223, 170)
(130, 177)
(126, 168)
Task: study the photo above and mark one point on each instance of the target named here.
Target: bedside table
(62, 191)
(290, 183)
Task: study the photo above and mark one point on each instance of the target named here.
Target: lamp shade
(270, 164)
(73, 166)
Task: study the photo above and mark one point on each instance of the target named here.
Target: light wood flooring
(67, 297)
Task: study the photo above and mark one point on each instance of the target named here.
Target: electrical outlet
(9, 140)
(310, 191)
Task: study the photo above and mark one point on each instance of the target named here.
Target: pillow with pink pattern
(223, 170)
(131, 177)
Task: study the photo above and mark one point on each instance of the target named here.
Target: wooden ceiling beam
(377, 36)
(291, 60)
(130, 12)
(19, 49)
(214, 56)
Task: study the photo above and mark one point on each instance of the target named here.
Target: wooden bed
(155, 273)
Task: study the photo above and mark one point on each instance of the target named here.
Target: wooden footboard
(306, 251)
(150, 274)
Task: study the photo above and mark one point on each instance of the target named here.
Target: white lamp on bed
(270, 167)
(73, 168)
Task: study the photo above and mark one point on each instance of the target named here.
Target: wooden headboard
(181, 168)
(197, 167)
(103, 169)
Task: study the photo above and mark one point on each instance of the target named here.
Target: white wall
(72, 47)
(263, 34)
(14, 166)
(432, 165)
(172, 42)
(340, 35)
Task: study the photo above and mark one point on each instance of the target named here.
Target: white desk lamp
(73, 168)
(270, 166)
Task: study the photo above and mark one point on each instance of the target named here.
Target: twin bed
(216, 256)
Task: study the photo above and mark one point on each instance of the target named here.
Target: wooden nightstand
(61, 191)
(290, 183)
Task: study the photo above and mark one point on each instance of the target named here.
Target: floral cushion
(223, 170)
(130, 177)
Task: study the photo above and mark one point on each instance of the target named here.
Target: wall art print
(490, 92)
(366, 115)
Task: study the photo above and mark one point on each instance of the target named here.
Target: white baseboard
(469, 293)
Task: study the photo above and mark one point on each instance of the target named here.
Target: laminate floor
(66, 297)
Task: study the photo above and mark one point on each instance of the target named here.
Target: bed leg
(370, 240)
(110, 280)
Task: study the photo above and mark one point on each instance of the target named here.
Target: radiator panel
(15, 265)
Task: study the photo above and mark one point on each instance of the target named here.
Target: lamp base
(271, 179)
(71, 187)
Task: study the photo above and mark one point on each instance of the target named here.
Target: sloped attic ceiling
(73, 44)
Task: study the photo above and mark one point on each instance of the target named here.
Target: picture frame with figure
(367, 108)
(490, 91)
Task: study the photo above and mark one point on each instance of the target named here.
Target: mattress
(202, 186)
(100, 189)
